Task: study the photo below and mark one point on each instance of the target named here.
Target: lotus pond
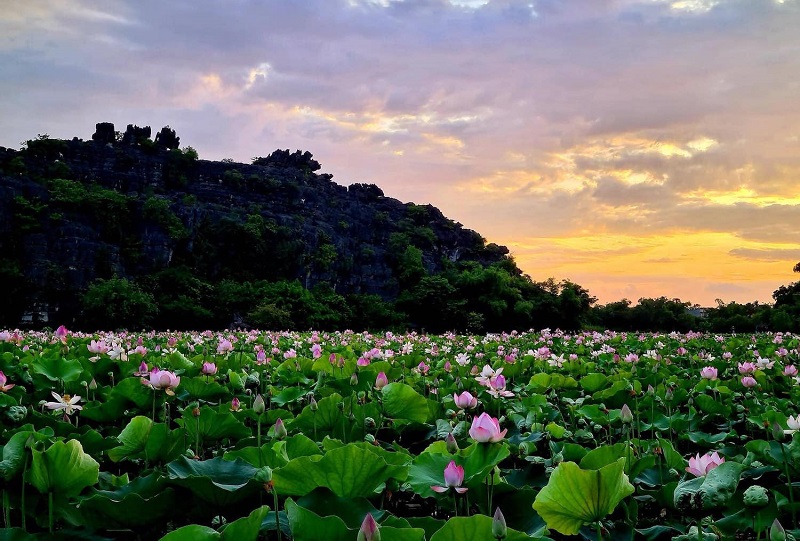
(409, 437)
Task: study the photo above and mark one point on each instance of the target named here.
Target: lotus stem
(277, 509)
(789, 480)
(50, 510)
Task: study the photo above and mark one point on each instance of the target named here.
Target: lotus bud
(452, 444)
(280, 429)
(499, 528)
(776, 531)
(235, 404)
(369, 530)
(625, 415)
(313, 404)
(381, 381)
(258, 405)
(777, 432)
(650, 390)
(354, 379)
(93, 385)
(263, 475)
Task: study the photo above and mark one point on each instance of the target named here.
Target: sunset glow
(640, 148)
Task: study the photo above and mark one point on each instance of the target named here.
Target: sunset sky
(637, 147)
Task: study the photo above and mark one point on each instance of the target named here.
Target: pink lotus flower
(699, 466)
(790, 370)
(453, 477)
(497, 387)
(486, 429)
(3, 386)
(749, 381)
(316, 351)
(465, 400)
(369, 530)
(709, 372)
(209, 369)
(381, 381)
(163, 379)
(61, 333)
(98, 347)
(224, 347)
(362, 361)
(747, 367)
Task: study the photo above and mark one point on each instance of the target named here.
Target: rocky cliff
(125, 205)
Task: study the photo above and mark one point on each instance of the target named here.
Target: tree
(117, 303)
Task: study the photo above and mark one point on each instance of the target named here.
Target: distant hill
(126, 230)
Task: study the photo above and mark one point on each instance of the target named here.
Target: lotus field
(409, 437)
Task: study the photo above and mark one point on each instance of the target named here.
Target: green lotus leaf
(192, 532)
(56, 368)
(395, 458)
(246, 528)
(289, 394)
(14, 455)
(351, 511)
(201, 389)
(401, 401)
(574, 497)
(134, 504)
(142, 438)
(593, 382)
(474, 528)
(216, 481)
(63, 468)
(326, 420)
(266, 456)
(477, 460)
(212, 426)
(715, 489)
(308, 526)
(603, 456)
(349, 472)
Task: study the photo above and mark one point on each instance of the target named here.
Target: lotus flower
(209, 369)
(3, 380)
(790, 370)
(163, 379)
(699, 466)
(747, 367)
(792, 422)
(749, 381)
(235, 404)
(453, 477)
(709, 372)
(486, 429)
(67, 403)
(465, 400)
(381, 381)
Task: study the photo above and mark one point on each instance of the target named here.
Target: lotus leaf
(64, 469)
(574, 497)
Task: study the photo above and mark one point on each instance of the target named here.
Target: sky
(641, 148)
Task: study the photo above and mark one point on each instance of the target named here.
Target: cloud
(521, 119)
(775, 254)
